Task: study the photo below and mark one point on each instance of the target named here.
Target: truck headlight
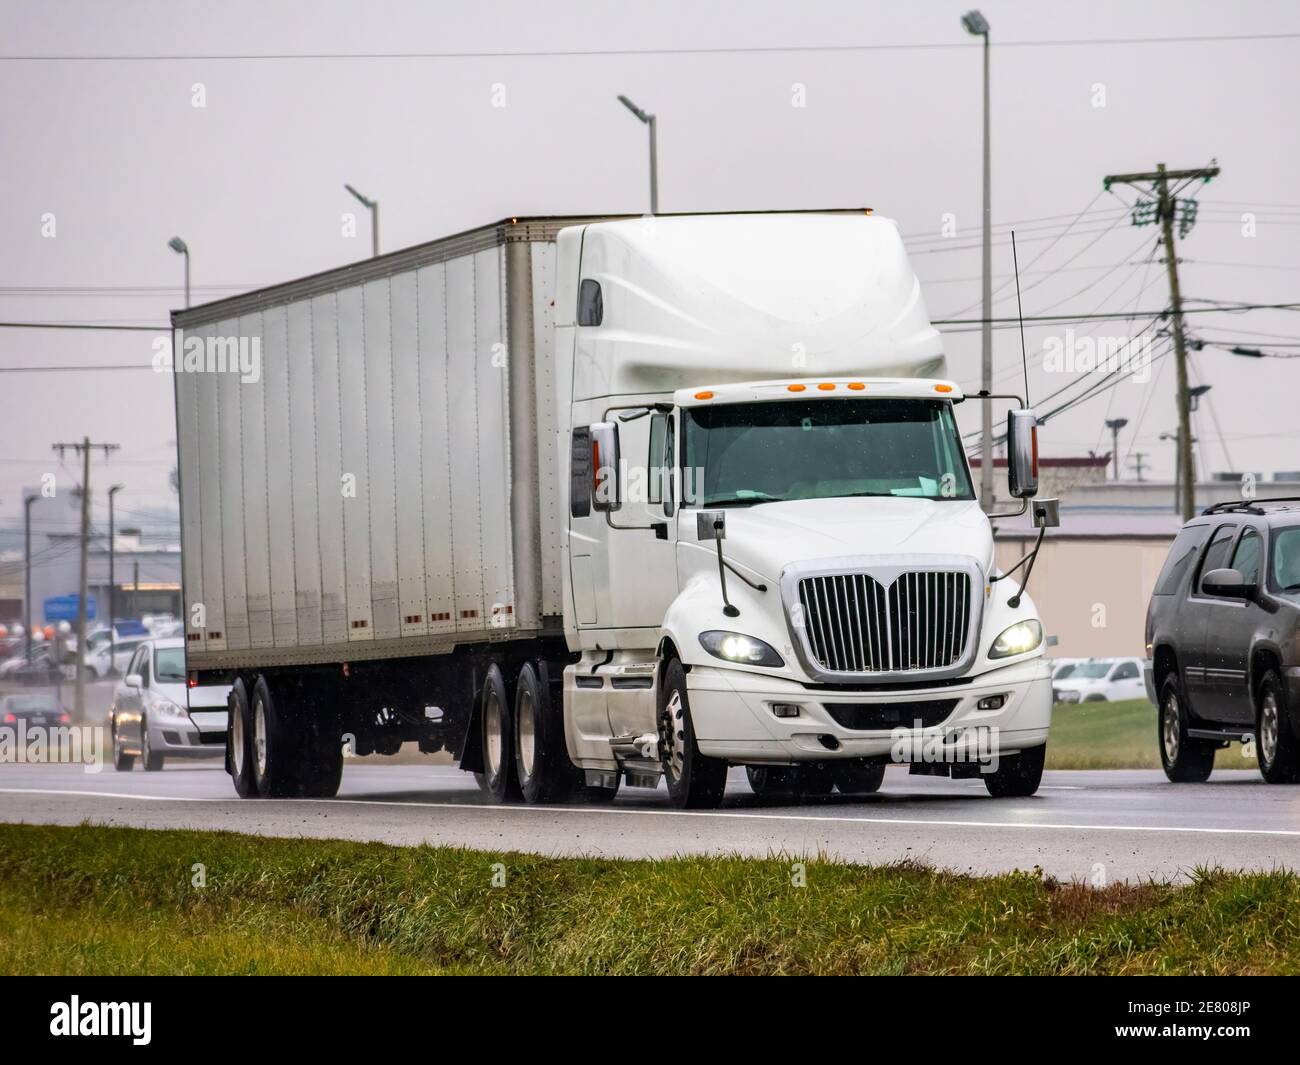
(1021, 637)
(735, 647)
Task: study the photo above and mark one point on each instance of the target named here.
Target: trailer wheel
(323, 772)
(275, 755)
(695, 781)
(496, 718)
(541, 758)
(239, 751)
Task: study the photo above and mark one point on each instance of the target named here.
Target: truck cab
(773, 555)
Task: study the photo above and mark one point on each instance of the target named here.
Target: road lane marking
(739, 815)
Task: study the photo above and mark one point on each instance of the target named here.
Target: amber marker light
(796, 388)
(703, 395)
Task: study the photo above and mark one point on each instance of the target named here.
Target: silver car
(150, 719)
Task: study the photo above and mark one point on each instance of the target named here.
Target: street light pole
(181, 248)
(373, 207)
(112, 584)
(1115, 425)
(652, 122)
(977, 25)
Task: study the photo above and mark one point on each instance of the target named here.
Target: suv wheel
(1186, 761)
(1275, 740)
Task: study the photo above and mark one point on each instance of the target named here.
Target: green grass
(117, 900)
(1116, 736)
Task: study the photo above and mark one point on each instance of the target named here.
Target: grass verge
(1116, 736)
(118, 900)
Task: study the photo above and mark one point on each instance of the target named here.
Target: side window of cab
(1248, 556)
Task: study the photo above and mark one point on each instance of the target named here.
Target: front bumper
(731, 711)
(181, 738)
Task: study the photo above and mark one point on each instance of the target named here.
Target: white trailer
(409, 511)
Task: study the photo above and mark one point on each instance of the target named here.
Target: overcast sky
(116, 152)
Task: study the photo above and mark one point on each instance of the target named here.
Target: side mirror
(135, 681)
(1228, 583)
(604, 466)
(1022, 453)
(711, 525)
(1046, 513)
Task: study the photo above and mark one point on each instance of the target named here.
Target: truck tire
(695, 781)
(323, 771)
(1185, 760)
(496, 719)
(541, 757)
(1018, 775)
(1275, 739)
(277, 759)
(859, 778)
(239, 748)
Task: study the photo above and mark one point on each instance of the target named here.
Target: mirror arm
(1030, 558)
(727, 607)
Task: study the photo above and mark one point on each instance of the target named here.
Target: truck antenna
(1020, 314)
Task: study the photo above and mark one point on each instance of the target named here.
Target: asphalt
(1098, 826)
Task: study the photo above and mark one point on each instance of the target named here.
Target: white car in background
(1101, 680)
(151, 719)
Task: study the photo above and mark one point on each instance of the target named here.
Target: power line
(617, 52)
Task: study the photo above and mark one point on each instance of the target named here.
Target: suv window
(1245, 560)
(1286, 558)
(1216, 555)
(1184, 549)
(1124, 671)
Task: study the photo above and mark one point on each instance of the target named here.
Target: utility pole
(652, 123)
(1115, 425)
(373, 207)
(1139, 463)
(84, 449)
(1162, 210)
(27, 558)
(112, 585)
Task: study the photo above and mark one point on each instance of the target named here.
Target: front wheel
(695, 781)
(1186, 760)
(122, 761)
(857, 778)
(153, 760)
(1017, 775)
(1275, 740)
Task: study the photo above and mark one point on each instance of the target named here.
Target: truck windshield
(739, 454)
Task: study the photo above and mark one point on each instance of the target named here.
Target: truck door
(622, 561)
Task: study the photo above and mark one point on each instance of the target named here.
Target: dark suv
(1223, 637)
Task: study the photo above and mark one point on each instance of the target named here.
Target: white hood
(769, 536)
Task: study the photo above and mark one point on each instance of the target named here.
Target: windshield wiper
(741, 502)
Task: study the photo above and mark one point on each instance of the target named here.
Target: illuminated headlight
(167, 708)
(735, 647)
(1021, 637)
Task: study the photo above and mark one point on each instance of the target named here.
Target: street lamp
(977, 25)
(373, 206)
(112, 583)
(652, 122)
(180, 248)
(1115, 425)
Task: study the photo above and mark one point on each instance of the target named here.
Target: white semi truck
(593, 501)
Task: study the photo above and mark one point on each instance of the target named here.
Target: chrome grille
(854, 624)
